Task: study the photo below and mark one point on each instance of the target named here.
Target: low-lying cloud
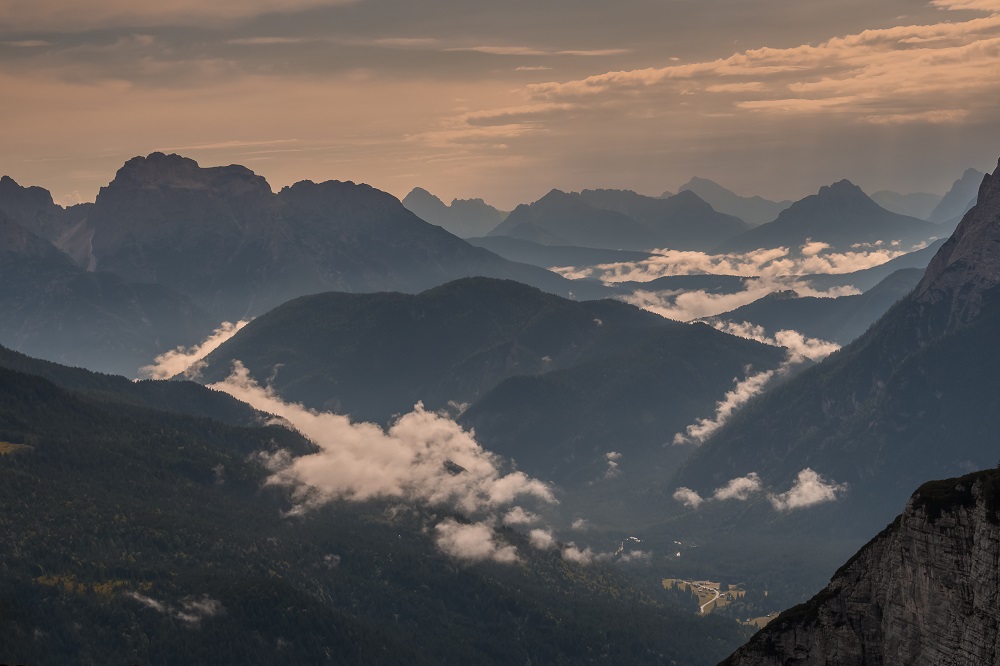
(809, 489)
(797, 344)
(740, 488)
(812, 258)
(702, 429)
(799, 347)
(423, 457)
(475, 542)
(697, 304)
(188, 361)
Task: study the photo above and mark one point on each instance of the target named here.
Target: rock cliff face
(924, 591)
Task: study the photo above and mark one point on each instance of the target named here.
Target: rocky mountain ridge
(922, 592)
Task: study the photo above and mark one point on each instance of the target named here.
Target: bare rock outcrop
(925, 591)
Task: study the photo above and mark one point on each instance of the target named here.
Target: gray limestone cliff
(925, 591)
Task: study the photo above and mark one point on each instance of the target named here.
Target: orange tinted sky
(506, 100)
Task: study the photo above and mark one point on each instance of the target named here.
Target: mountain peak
(158, 171)
(969, 262)
(840, 189)
(13, 193)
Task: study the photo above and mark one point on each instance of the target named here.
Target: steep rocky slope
(923, 592)
(915, 397)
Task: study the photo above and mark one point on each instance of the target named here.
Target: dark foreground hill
(922, 592)
(132, 535)
(555, 384)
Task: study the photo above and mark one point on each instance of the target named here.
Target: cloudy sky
(505, 100)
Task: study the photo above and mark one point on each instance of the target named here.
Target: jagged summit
(161, 171)
(840, 215)
(969, 262)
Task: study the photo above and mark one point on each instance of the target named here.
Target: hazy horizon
(471, 100)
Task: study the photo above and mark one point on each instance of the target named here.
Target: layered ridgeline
(136, 535)
(958, 200)
(923, 592)
(555, 384)
(839, 215)
(55, 309)
(620, 219)
(754, 210)
(839, 320)
(221, 237)
(913, 397)
(463, 217)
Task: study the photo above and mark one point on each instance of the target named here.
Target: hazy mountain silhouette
(56, 310)
(916, 204)
(913, 398)
(561, 218)
(840, 215)
(33, 209)
(839, 320)
(959, 198)
(620, 219)
(220, 236)
(547, 256)
(681, 222)
(463, 217)
(753, 210)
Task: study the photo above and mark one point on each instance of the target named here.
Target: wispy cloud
(808, 489)
(62, 14)
(797, 344)
(810, 258)
(745, 389)
(189, 361)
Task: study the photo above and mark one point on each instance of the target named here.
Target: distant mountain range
(56, 309)
(917, 204)
(958, 200)
(840, 215)
(170, 249)
(753, 210)
(620, 219)
(913, 397)
(549, 256)
(463, 217)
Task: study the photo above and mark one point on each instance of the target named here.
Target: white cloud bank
(423, 457)
(474, 543)
(418, 458)
(809, 489)
(189, 361)
(812, 258)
